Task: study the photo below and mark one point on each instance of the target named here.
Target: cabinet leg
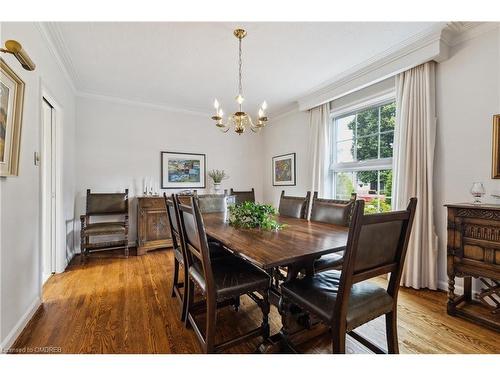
(451, 294)
(468, 288)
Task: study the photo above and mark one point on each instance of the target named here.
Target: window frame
(364, 165)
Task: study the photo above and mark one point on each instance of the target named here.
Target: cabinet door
(156, 227)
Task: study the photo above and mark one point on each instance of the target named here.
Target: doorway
(48, 170)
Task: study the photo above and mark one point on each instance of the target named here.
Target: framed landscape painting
(11, 112)
(284, 170)
(181, 170)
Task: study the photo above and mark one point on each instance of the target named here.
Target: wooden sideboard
(474, 252)
(153, 231)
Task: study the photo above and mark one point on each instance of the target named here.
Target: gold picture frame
(11, 116)
(495, 170)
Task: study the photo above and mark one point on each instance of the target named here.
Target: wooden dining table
(284, 254)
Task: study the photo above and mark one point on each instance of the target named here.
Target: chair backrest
(173, 220)
(376, 245)
(243, 196)
(195, 241)
(209, 203)
(333, 211)
(107, 203)
(294, 206)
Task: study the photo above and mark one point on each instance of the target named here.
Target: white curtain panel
(414, 141)
(319, 126)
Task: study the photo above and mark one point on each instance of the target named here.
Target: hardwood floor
(116, 305)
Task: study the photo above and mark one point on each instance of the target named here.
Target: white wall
(468, 95)
(289, 133)
(20, 268)
(118, 144)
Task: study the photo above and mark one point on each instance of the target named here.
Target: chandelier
(240, 120)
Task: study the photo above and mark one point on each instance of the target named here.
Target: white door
(48, 162)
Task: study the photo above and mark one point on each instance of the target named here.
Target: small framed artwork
(180, 170)
(284, 170)
(495, 170)
(11, 113)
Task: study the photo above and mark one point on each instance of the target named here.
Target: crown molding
(52, 46)
(56, 35)
(424, 46)
(459, 32)
(140, 103)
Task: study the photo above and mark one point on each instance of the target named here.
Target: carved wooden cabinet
(474, 252)
(153, 231)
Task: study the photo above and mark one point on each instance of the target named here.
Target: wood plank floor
(113, 305)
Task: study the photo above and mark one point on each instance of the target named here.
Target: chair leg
(126, 250)
(338, 341)
(175, 280)
(391, 330)
(211, 323)
(82, 246)
(189, 296)
(266, 308)
(236, 303)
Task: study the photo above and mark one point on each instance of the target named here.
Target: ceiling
(187, 65)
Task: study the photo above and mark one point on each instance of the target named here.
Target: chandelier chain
(240, 87)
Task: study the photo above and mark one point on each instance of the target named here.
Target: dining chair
(220, 281)
(243, 196)
(332, 211)
(294, 206)
(344, 299)
(171, 205)
(104, 204)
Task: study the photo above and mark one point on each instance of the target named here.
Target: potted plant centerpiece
(254, 215)
(217, 176)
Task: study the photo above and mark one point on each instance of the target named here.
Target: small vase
(217, 187)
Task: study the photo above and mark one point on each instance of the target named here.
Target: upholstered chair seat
(318, 294)
(106, 228)
(233, 277)
(329, 262)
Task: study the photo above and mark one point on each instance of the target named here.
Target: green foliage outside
(254, 215)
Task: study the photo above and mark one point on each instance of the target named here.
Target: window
(362, 151)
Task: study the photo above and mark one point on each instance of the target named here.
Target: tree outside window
(363, 156)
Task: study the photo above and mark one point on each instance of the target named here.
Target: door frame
(59, 257)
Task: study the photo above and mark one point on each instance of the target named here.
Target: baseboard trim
(21, 324)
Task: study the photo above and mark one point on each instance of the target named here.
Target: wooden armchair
(104, 205)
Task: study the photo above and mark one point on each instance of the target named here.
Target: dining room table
(284, 254)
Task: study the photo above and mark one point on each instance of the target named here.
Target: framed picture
(181, 170)
(284, 170)
(495, 170)
(11, 116)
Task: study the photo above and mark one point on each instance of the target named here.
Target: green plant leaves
(254, 215)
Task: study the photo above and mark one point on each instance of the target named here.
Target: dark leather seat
(233, 276)
(329, 262)
(318, 294)
(105, 228)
